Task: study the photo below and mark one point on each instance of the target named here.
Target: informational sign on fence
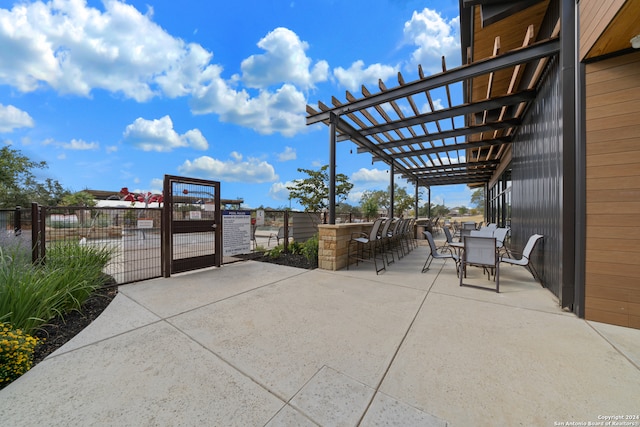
(260, 217)
(236, 232)
(145, 223)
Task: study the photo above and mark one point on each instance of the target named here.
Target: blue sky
(117, 94)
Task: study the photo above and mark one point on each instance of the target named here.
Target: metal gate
(192, 217)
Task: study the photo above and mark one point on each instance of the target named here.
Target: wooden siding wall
(595, 16)
(612, 276)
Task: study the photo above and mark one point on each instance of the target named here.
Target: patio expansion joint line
(219, 300)
(235, 368)
(168, 319)
(395, 353)
(622, 353)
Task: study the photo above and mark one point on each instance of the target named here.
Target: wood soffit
(429, 139)
(618, 33)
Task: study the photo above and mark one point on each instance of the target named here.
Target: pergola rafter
(469, 137)
(430, 139)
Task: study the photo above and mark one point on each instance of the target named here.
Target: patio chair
(409, 233)
(464, 232)
(448, 236)
(361, 243)
(480, 252)
(501, 235)
(436, 225)
(435, 254)
(485, 232)
(468, 225)
(279, 235)
(395, 237)
(525, 260)
(385, 240)
(406, 237)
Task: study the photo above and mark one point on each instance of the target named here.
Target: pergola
(456, 143)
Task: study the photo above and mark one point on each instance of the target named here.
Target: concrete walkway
(255, 344)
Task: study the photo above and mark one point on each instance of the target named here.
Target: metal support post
(332, 168)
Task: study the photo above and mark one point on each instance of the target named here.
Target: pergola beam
(454, 166)
(469, 130)
(512, 58)
(450, 147)
(457, 111)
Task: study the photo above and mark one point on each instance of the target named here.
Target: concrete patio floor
(256, 344)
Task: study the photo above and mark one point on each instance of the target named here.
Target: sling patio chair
(525, 260)
(501, 235)
(435, 254)
(279, 235)
(385, 240)
(364, 246)
(395, 236)
(480, 251)
(464, 232)
(448, 236)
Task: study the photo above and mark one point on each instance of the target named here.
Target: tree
(439, 210)
(377, 198)
(18, 184)
(402, 202)
(313, 192)
(478, 200)
(370, 208)
(345, 208)
(463, 210)
(80, 198)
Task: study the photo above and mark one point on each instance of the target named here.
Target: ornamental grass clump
(16, 353)
(32, 295)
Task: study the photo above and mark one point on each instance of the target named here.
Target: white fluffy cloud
(356, 75)
(284, 60)
(235, 169)
(75, 49)
(370, 176)
(288, 154)
(282, 111)
(434, 38)
(279, 191)
(159, 135)
(79, 144)
(13, 118)
(74, 144)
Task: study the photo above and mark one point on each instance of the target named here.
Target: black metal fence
(131, 234)
(134, 235)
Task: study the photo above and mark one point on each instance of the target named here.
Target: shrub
(276, 252)
(310, 249)
(16, 353)
(295, 248)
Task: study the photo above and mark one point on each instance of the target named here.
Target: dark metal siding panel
(537, 180)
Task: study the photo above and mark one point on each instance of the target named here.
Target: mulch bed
(60, 330)
(290, 260)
